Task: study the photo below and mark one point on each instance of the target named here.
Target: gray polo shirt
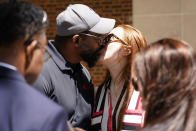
(67, 84)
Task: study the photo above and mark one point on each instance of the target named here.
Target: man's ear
(76, 39)
(29, 51)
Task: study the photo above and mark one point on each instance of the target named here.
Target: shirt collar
(6, 65)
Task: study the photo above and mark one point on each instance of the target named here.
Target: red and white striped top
(106, 119)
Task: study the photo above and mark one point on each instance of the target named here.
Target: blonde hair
(134, 38)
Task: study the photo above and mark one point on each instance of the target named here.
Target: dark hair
(166, 74)
(19, 20)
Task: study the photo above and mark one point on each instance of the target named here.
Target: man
(63, 78)
(22, 42)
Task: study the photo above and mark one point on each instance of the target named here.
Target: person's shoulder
(48, 67)
(31, 99)
(40, 109)
(35, 98)
(48, 61)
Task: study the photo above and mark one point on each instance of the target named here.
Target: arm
(43, 85)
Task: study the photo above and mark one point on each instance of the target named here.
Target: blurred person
(117, 104)
(35, 66)
(165, 75)
(79, 35)
(22, 39)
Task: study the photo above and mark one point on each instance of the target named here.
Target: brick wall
(121, 10)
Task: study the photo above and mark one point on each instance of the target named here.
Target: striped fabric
(133, 116)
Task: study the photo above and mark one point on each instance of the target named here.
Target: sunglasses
(107, 39)
(100, 38)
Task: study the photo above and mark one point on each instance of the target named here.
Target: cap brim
(104, 26)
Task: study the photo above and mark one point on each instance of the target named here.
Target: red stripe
(97, 113)
(132, 124)
(110, 116)
(138, 102)
(134, 112)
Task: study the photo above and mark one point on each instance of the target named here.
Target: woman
(165, 75)
(117, 105)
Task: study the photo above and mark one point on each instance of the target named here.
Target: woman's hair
(137, 41)
(166, 79)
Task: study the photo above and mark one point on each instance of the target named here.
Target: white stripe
(96, 120)
(104, 123)
(133, 101)
(137, 119)
(100, 98)
(119, 107)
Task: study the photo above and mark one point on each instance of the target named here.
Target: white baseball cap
(78, 18)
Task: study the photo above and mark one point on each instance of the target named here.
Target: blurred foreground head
(22, 37)
(165, 73)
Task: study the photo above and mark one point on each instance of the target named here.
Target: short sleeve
(43, 85)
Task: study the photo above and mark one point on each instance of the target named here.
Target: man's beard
(91, 58)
